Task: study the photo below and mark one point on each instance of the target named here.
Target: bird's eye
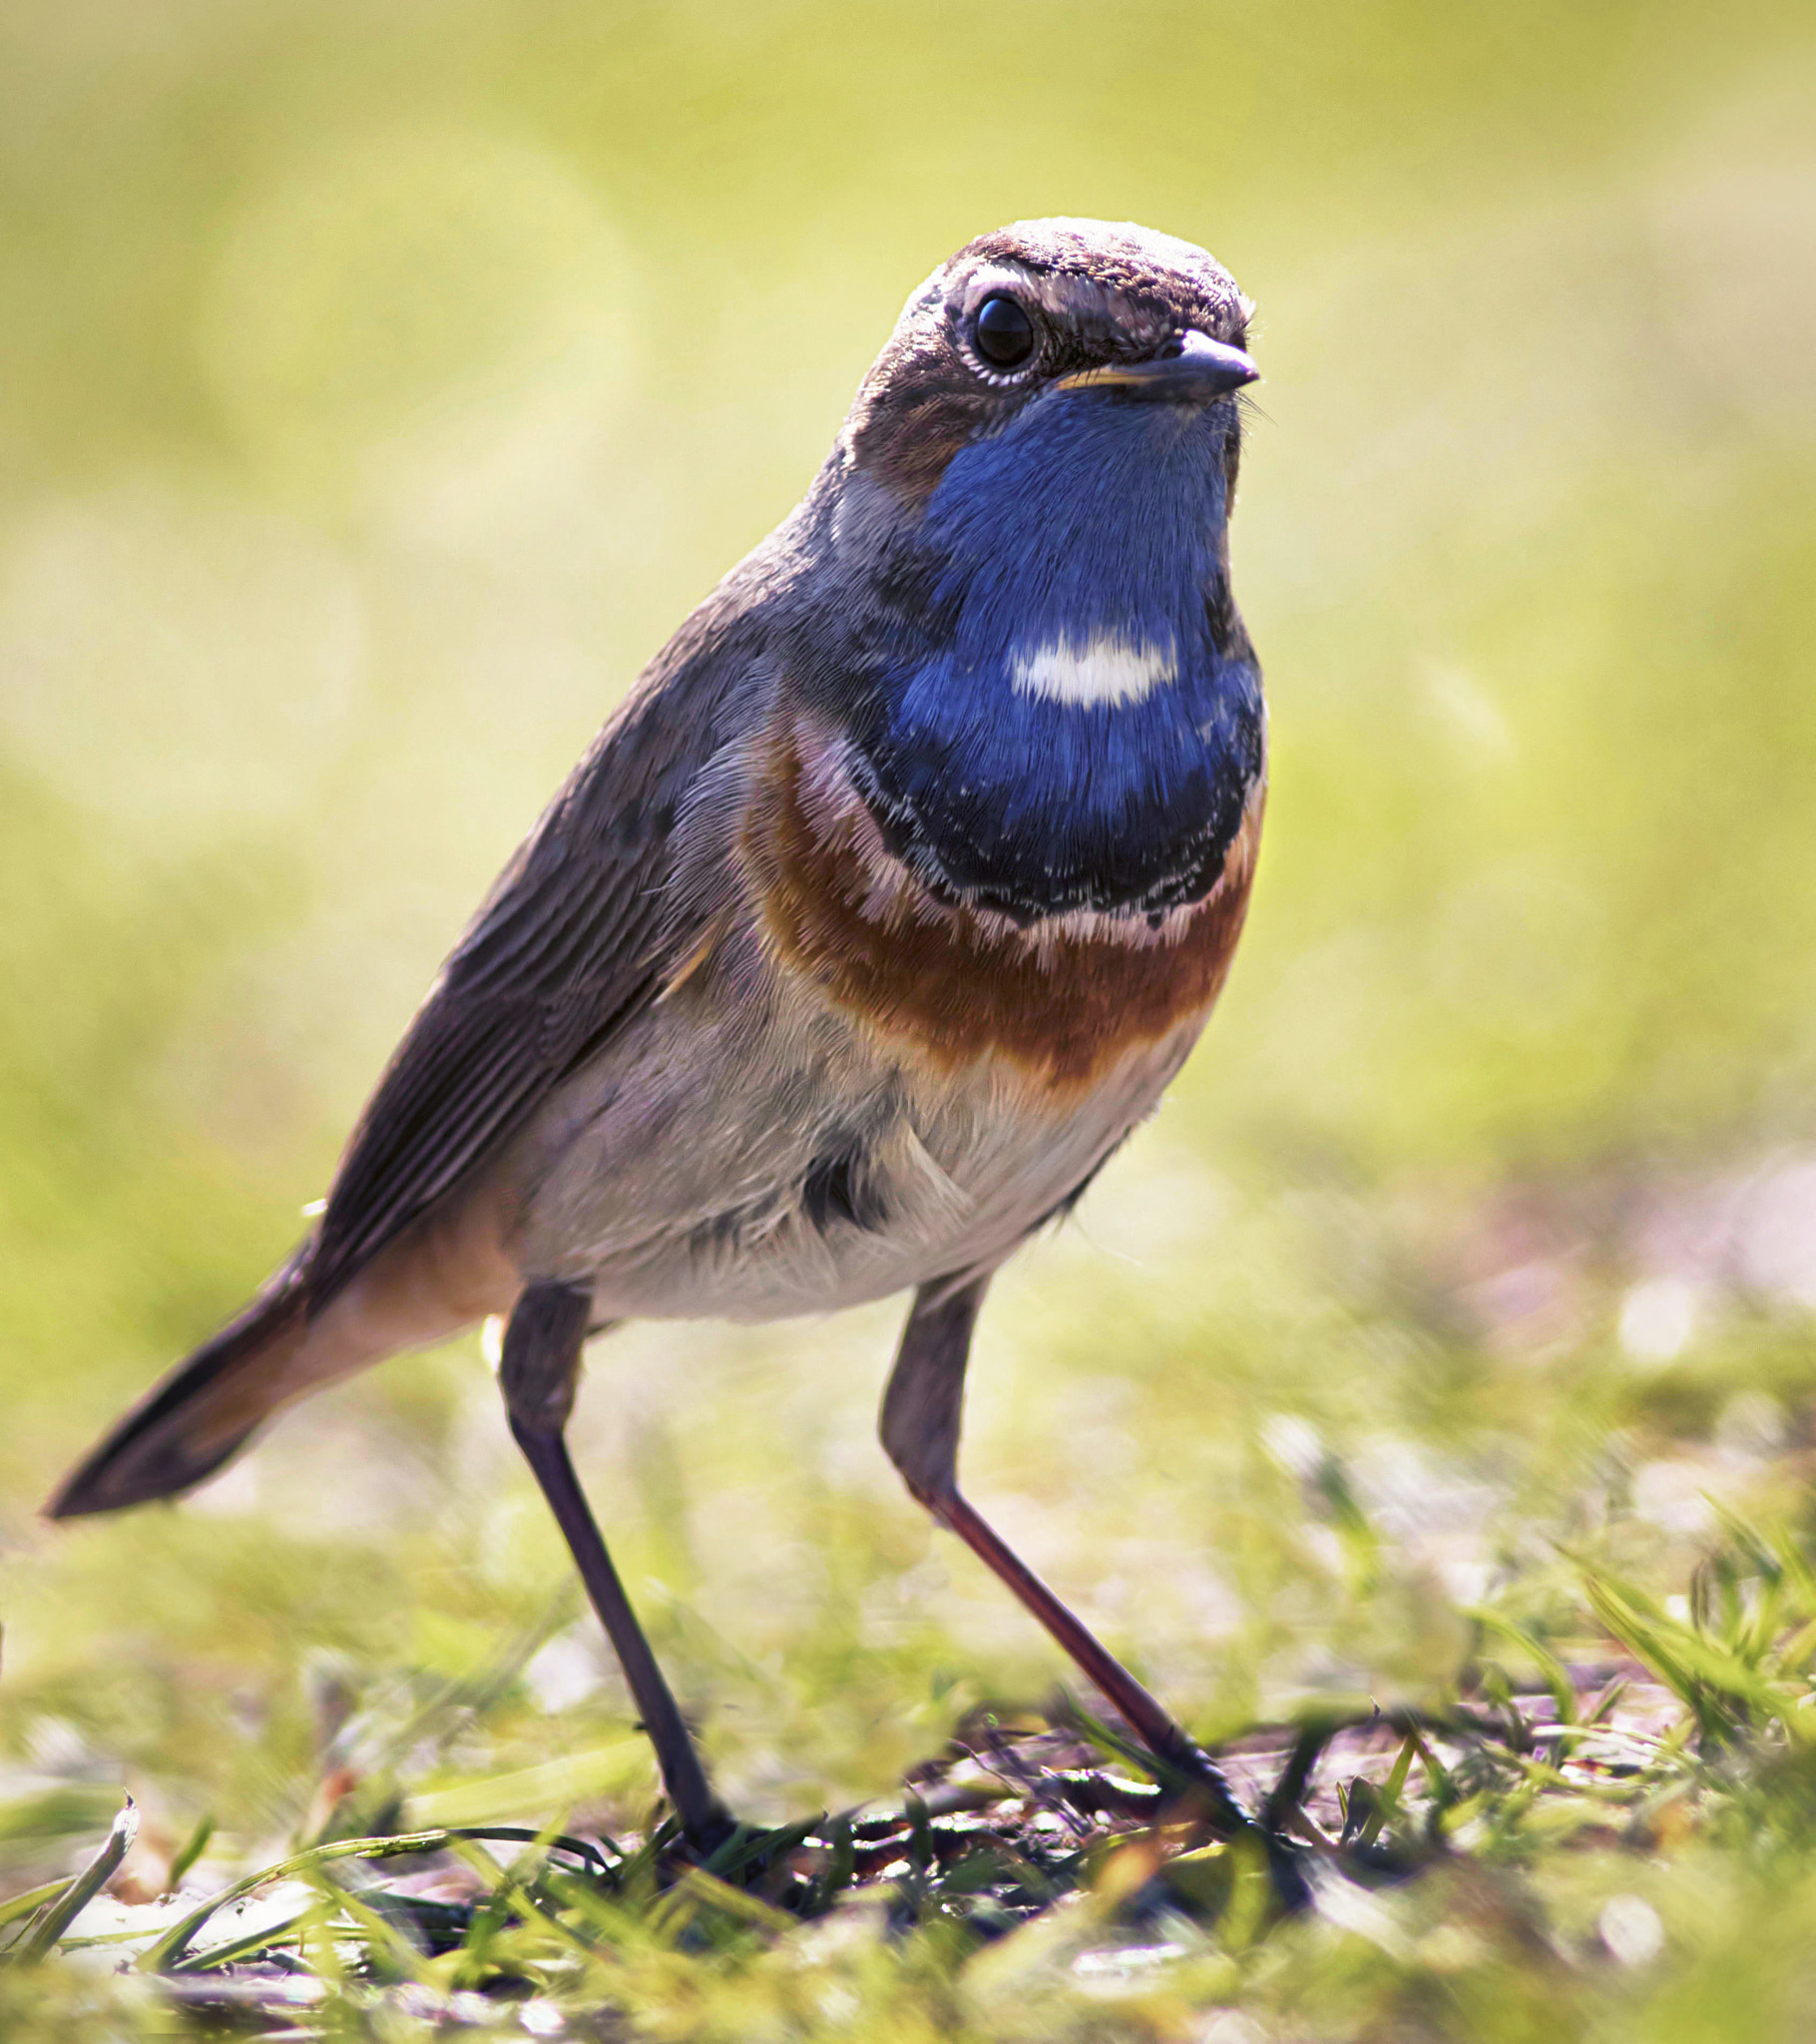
(1004, 333)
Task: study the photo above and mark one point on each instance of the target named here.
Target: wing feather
(575, 939)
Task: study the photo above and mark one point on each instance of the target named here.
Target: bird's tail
(208, 1407)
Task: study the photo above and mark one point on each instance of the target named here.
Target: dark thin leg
(538, 1374)
(922, 1411)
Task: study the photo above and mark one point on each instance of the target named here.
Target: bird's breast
(1062, 1002)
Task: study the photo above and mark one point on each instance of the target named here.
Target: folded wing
(575, 939)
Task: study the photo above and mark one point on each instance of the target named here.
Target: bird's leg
(921, 1418)
(538, 1374)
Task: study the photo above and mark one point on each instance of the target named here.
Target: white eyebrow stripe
(1099, 670)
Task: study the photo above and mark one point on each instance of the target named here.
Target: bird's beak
(1191, 367)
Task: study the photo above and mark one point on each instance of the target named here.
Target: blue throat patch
(1077, 552)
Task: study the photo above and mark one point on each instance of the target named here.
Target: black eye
(1004, 333)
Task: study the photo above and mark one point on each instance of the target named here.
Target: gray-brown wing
(574, 940)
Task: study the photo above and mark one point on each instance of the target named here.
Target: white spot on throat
(1099, 669)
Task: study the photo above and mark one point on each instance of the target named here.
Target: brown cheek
(957, 989)
(914, 428)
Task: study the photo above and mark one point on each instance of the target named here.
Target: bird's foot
(1199, 1789)
(754, 1857)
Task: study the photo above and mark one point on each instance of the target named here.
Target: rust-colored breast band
(1066, 1004)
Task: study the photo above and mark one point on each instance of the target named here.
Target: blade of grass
(698, 1886)
(1288, 1791)
(249, 1945)
(172, 1945)
(513, 1891)
(191, 1849)
(841, 1863)
(1552, 1671)
(17, 1906)
(1702, 1671)
(57, 1915)
(384, 1940)
(552, 1842)
(744, 1847)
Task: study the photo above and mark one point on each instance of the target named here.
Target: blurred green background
(382, 384)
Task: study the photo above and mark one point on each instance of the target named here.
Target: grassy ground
(379, 387)
(1622, 1854)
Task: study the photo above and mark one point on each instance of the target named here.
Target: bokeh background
(381, 383)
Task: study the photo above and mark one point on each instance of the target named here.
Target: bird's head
(1047, 314)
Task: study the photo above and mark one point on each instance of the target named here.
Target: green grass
(1627, 1860)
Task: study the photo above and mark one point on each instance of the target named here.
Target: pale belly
(759, 1159)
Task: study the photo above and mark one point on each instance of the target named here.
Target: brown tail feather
(206, 1410)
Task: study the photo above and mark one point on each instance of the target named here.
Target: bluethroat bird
(877, 916)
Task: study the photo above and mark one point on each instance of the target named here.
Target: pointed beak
(1189, 368)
